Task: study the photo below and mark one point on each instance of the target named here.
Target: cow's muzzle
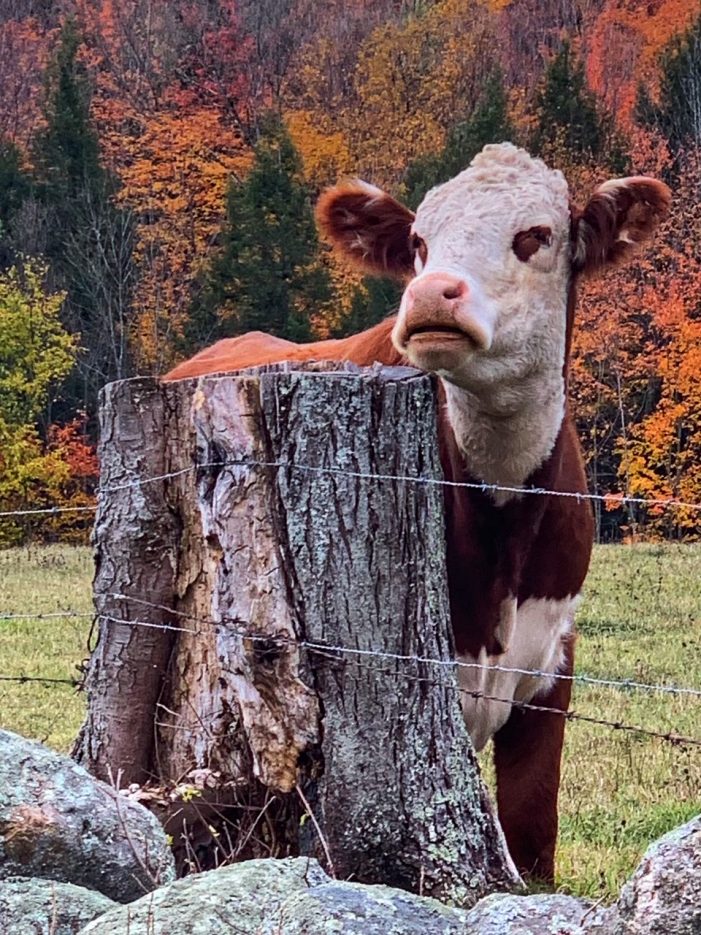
(438, 318)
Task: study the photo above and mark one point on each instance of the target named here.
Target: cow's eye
(418, 248)
(526, 243)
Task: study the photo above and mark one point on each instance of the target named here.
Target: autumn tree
(267, 273)
(15, 187)
(36, 354)
(488, 123)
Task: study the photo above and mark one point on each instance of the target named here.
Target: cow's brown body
(492, 312)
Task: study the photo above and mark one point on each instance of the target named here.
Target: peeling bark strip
(263, 559)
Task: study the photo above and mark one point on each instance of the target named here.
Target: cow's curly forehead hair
(503, 169)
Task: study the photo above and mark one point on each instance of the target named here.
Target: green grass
(641, 619)
(39, 581)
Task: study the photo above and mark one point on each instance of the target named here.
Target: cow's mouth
(427, 333)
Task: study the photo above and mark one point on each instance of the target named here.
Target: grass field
(641, 619)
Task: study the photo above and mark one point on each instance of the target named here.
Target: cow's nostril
(454, 290)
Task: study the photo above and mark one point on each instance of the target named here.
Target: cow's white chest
(536, 643)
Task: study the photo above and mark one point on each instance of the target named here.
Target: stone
(663, 897)
(58, 823)
(356, 909)
(278, 897)
(241, 899)
(45, 907)
(540, 914)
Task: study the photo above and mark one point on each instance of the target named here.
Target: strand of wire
(618, 684)
(670, 736)
(569, 715)
(613, 499)
(246, 632)
(24, 679)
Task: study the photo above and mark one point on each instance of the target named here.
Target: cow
(491, 261)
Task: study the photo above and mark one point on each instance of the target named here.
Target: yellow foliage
(325, 156)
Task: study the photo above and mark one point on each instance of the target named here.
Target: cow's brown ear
(368, 227)
(621, 215)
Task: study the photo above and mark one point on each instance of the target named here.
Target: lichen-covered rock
(663, 897)
(356, 909)
(243, 899)
(45, 907)
(59, 823)
(546, 914)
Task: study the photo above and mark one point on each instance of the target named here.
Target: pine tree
(570, 117)
(267, 274)
(67, 152)
(15, 188)
(488, 123)
(678, 111)
(88, 240)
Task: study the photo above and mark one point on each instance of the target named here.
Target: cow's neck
(506, 432)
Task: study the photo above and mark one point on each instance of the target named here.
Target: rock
(45, 907)
(546, 914)
(663, 897)
(59, 823)
(278, 897)
(244, 899)
(356, 909)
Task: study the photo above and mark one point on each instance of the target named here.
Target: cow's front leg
(527, 754)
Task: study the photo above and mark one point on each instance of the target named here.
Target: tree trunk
(302, 580)
(135, 539)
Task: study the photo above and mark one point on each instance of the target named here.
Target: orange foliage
(24, 52)
(625, 44)
(173, 144)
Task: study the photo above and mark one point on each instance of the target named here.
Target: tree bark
(135, 539)
(299, 580)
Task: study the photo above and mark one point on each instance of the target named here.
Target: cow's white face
(488, 261)
(492, 257)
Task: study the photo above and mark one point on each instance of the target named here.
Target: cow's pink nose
(436, 292)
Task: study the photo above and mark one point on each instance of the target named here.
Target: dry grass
(641, 619)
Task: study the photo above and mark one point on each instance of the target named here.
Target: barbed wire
(626, 684)
(40, 615)
(331, 651)
(320, 648)
(39, 678)
(614, 500)
(670, 736)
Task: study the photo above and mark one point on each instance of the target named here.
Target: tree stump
(286, 585)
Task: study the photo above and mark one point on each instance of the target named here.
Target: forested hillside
(159, 160)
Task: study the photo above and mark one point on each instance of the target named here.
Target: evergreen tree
(488, 123)
(678, 113)
(15, 188)
(88, 240)
(67, 152)
(267, 274)
(570, 117)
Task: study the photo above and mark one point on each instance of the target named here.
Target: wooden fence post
(306, 569)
